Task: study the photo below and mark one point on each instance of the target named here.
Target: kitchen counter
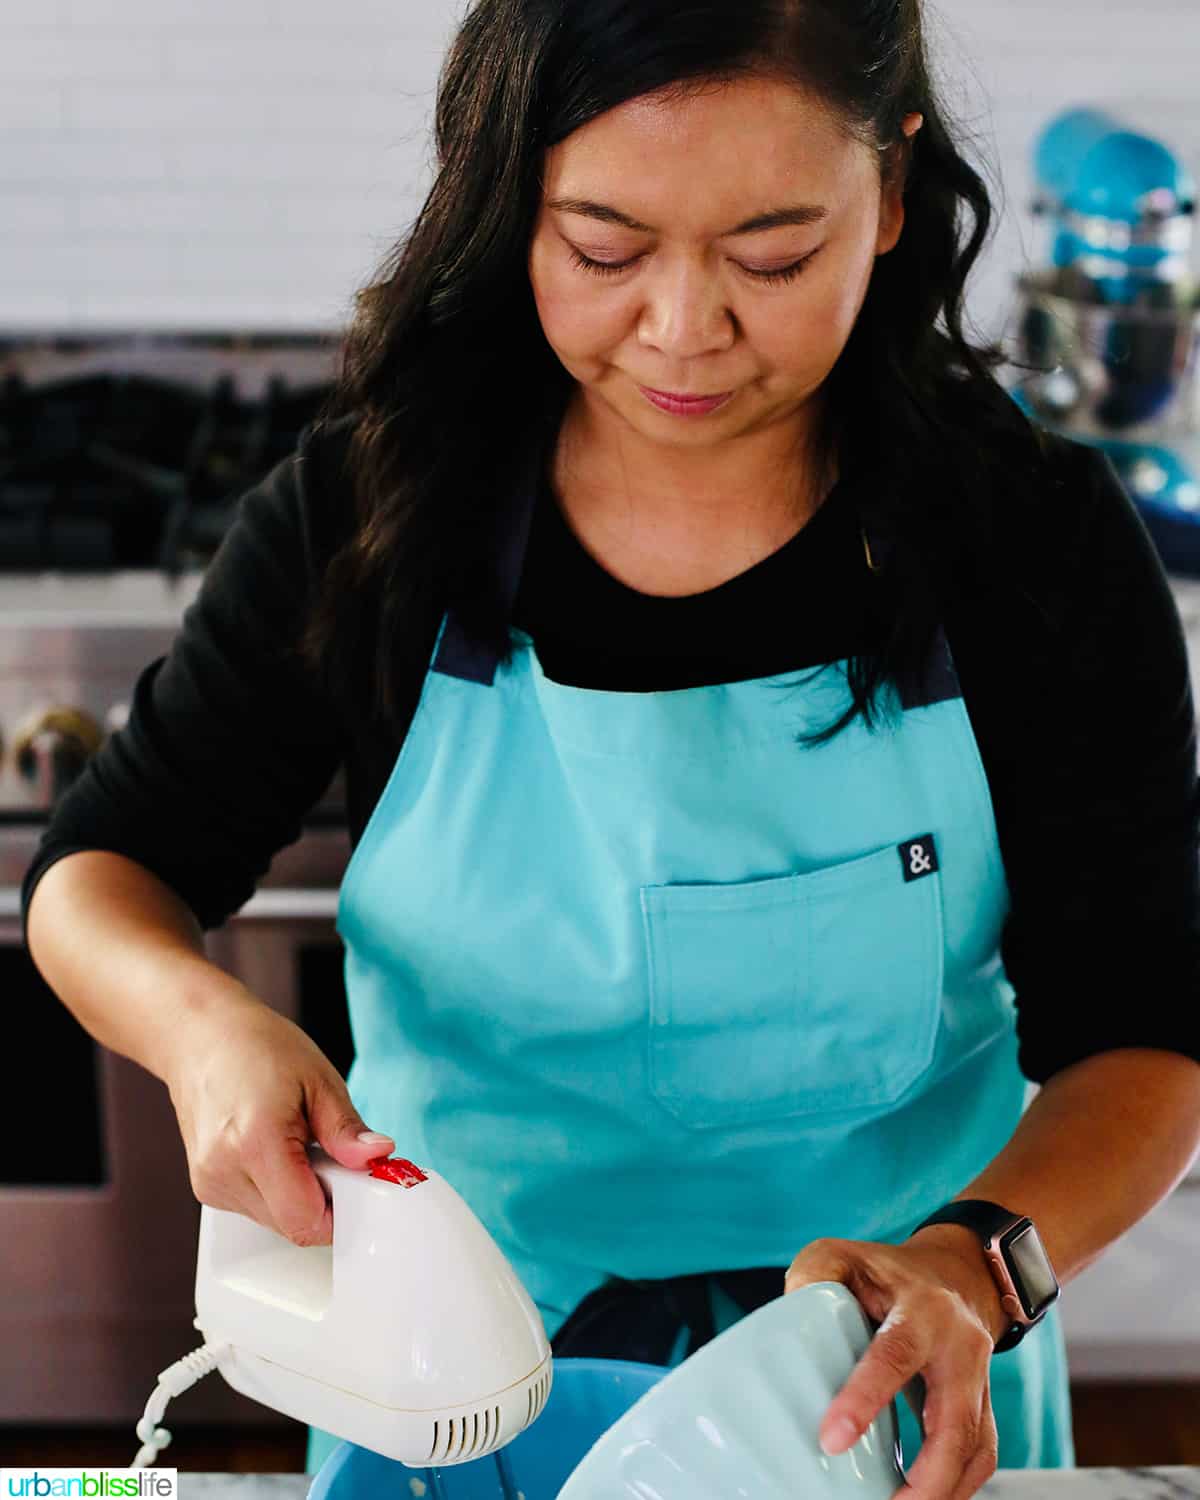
(1167, 1483)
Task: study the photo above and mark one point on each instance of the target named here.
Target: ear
(891, 207)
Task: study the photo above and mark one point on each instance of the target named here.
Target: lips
(680, 396)
(686, 406)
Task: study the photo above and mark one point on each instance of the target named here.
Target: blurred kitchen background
(190, 193)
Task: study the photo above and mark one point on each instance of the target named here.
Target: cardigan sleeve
(1079, 688)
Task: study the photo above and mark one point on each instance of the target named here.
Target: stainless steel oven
(120, 463)
(98, 1223)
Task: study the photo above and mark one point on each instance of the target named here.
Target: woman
(736, 834)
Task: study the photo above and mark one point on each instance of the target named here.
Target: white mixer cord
(173, 1381)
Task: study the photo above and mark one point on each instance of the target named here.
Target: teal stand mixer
(1110, 328)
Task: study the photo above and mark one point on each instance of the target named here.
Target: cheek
(826, 314)
(571, 318)
(845, 304)
(808, 336)
(855, 277)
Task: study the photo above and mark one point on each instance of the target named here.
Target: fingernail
(373, 1138)
(837, 1436)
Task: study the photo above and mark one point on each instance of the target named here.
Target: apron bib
(661, 991)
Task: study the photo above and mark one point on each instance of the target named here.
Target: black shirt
(1089, 748)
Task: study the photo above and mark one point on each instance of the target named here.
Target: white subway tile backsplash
(182, 309)
(437, 18)
(368, 212)
(61, 267)
(266, 262)
(219, 110)
(57, 159)
(34, 311)
(29, 109)
(170, 15)
(1140, 83)
(34, 15)
(57, 56)
(1067, 32)
(311, 164)
(388, 63)
(45, 215)
(155, 211)
(193, 163)
(160, 109)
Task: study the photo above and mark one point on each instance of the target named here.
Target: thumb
(339, 1129)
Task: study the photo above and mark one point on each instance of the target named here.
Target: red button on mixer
(396, 1169)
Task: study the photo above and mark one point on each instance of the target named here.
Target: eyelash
(604, 268)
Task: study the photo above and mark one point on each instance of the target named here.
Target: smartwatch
(1016, 1257)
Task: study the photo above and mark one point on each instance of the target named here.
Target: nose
(685, 312)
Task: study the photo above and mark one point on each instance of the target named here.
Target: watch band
(988, 1221)
(985, 1218)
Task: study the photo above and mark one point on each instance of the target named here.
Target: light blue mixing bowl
(586, 1397)
(741, 1416)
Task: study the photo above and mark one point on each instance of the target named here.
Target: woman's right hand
(251, 1090)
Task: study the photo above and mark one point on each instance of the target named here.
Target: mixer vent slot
(465, 1437)
(537, 1398)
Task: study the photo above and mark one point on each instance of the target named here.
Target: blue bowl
(587, 1396)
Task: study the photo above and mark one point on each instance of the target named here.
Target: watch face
(1033, 1274)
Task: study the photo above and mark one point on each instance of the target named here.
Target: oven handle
(289, 904)
(281, 904)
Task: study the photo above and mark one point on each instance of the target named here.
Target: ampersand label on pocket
(919, 857)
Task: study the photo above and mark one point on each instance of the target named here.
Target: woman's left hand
(938, 1315)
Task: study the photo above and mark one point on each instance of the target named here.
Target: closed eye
(614, 268)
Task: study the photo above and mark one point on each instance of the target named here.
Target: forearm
(1102, 1143)
(125, 955)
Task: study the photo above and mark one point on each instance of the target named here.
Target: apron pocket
(802, 994)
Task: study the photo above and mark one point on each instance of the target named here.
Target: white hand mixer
(410, 1334)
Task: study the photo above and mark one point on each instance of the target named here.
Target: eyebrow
(802, 213)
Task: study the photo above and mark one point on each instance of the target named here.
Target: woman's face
(700, 301)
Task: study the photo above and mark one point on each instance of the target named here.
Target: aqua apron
(662, 992)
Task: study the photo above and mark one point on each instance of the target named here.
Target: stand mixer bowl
(1105, 369)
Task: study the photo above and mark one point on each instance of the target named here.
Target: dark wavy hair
(445, 359)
